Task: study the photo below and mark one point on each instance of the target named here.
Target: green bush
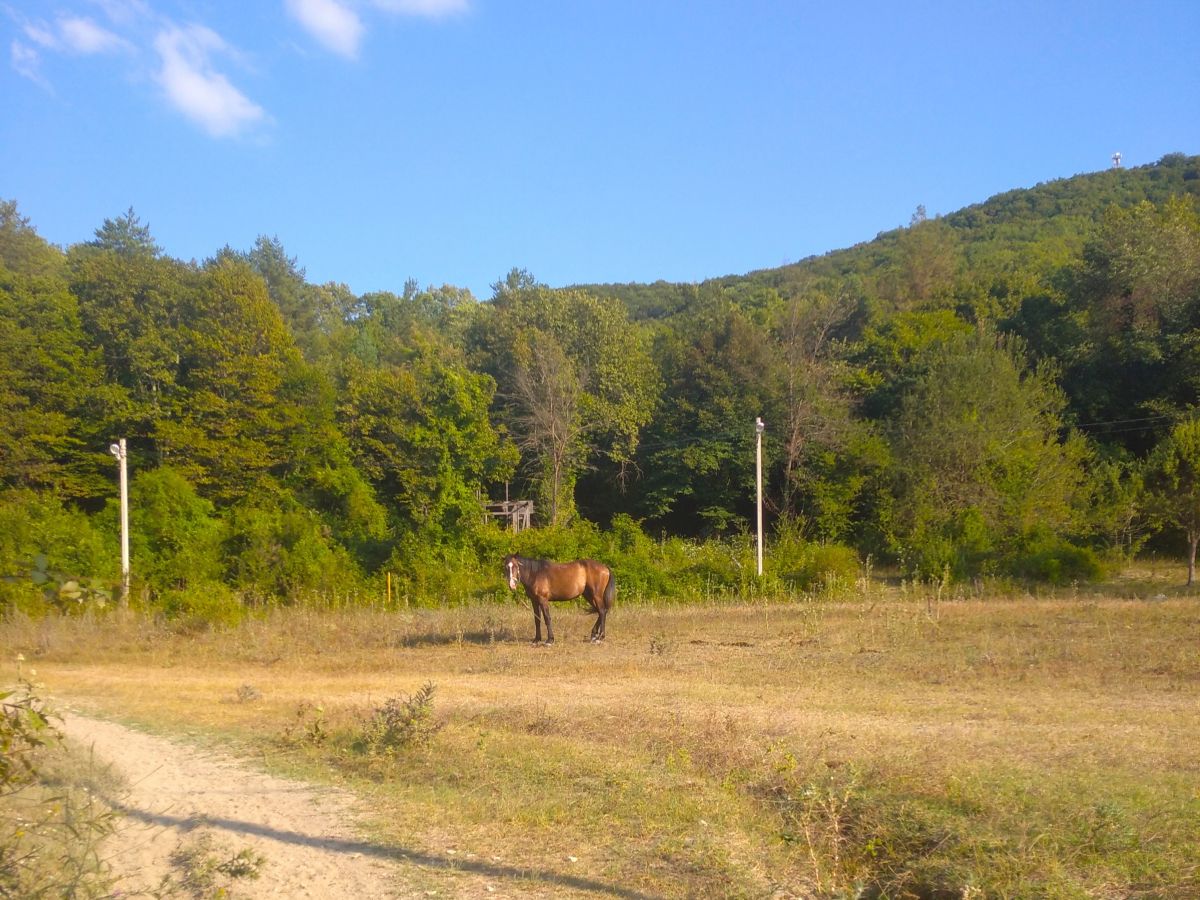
(203, 607)
(399, 724)
(427, 573)
(801, 564)
(175, 535)
(39, 533)
(1049, 558)
(277, 549)
(963, 546)
(831, 566)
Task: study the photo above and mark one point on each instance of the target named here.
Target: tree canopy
(959, 395)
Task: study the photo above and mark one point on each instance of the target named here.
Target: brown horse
(545, 581)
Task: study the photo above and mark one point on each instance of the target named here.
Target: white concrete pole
(759, 427)
(118, 450)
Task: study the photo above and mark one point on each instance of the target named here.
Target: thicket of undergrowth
(200, 570)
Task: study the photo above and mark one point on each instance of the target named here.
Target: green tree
(816, 402)
(417, 421)
(175, 535)
(127, 236)
(1137, 292)
(129, 305)
(895, 353)
(50, 379)
(22, 250)
(979, 459)
(227, 426)
(924, 264)
(1173, 480)
(598, 348)
(721, 370)
(547, 396)
(313, 314)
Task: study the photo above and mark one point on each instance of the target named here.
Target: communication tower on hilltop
(1116, 158)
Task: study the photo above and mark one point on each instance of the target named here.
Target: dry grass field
(889, 743)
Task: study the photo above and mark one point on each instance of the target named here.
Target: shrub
(427, 573)
(400, 723)
(1047, 557)
(203, 607)
(175, 536)
(278, 549)
(39, 533)
(809, 566)
(831, 566)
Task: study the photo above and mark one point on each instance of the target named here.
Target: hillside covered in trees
(1007, 390)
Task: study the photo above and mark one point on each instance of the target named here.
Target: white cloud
(27, 63)
(332, 23)
(431, 9)
(125, 12)
(41, 35)
(74, 34)
(195, 88)
(82, 35)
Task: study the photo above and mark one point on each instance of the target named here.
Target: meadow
(894, 740)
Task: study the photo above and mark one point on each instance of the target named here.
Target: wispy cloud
(74, 34)
(27, 62)
(41, 34)
(82, 35)
(333, 24)
(195, 87)
(432, 9)
(338, 26)
(125, 12)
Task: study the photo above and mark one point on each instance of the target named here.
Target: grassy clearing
(895, 744)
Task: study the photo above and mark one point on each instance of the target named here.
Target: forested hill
(1011, 388)
(1034, 228)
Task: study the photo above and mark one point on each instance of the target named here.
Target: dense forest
(1008, 390)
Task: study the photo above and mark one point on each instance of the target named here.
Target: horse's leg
(591, 598)
(545, 604)
(537, 621)
(595, 624)
(603, 604)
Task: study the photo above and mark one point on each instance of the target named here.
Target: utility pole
(118, 450)
(759, 427)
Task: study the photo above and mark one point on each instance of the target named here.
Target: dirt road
(184, 802)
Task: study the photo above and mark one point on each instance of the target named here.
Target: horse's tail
(610, 591)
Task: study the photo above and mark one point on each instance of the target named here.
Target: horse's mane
(534, 565)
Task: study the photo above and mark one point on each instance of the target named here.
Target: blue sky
(584, 140)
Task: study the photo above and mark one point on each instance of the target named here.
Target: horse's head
(512, 568)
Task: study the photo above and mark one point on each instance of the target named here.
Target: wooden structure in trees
(519, 513)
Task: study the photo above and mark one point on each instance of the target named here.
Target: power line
(1125, 421)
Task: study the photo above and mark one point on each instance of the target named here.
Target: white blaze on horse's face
(513, 570)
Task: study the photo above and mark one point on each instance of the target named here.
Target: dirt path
(181, 799)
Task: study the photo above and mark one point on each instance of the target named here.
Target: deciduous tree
(1173, 478)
